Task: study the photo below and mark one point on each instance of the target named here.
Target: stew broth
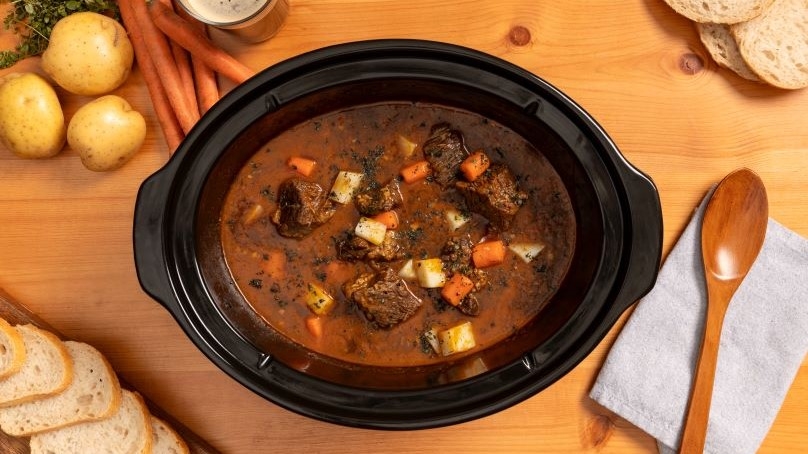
(274, 273)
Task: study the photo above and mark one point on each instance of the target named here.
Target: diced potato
(526, 251)
(252, 214)
(456, 339)
(456, 219)
(318, 300)
(431, 336)
(407, 272)
(430, 273)
(345, 185)
(405, 146)
(371, 230)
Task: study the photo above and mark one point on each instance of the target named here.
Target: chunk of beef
(383, 297)
(445, 150)
(469, 306)
(354, 248)
(456, 254)
(494, 195)
(302, 207)
(377, 200)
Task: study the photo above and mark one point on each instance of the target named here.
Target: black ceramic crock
(179, 258)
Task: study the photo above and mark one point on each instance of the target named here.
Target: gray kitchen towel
(647, 374)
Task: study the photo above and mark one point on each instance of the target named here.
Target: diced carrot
(388, 218)
(456, 289)
(273, 263)
(474, 165)
(302, 165)
(337, 272)
(415, 172)
(314, 325)
(488, 253)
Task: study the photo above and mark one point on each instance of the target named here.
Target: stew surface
(305, 266)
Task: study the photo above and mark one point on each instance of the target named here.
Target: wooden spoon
(732, 234)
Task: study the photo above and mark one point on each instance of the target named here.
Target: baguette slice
(94, 393)
(128, 431)
(47, 370)
(12, 350)
(166, 440)
(719, 11)
(775, 44)
(719, 41)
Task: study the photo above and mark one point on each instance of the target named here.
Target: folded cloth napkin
(647, 374)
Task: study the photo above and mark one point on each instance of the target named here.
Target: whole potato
(88, 54)
(106, 133)
(32, 124)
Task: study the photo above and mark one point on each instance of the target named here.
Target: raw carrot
(183, 61)
(186, 35)
(172, 132)
(474, 165)
(415, 172)
(314, 325)
(186, 75)
(488, 253)
(388, 218)
(207, 87)
(303, 166)
(457, 288)
(160, 52)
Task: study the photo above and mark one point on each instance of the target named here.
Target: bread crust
(93, 377)
(10, 392)
(719, 11)
(721, 45)
(165, 439)
(128, 431)
(13, 349)
(774, 44)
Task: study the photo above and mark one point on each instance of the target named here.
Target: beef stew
(359, 261)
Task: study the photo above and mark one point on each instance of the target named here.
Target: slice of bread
(128, 431)
(12, 350)
(166, 440)
(47, 370)
(719, 41)
(719, 11)
(94, 393)
(775, 44)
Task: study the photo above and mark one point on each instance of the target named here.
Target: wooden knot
(691, 63)
(519, 36)
(597, 431)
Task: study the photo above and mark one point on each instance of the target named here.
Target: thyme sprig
(33, 21)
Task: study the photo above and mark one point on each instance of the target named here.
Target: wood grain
(65, 232)
(16, 313)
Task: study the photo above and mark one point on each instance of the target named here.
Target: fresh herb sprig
(33, 21)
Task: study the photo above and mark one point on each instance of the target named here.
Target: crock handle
(645, 241)
(149, 248)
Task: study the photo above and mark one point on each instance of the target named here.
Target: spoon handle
(698, 412)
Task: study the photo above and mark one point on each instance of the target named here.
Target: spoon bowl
(734, 226)
(732, 234)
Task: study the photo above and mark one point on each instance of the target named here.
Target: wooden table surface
(65, 232)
